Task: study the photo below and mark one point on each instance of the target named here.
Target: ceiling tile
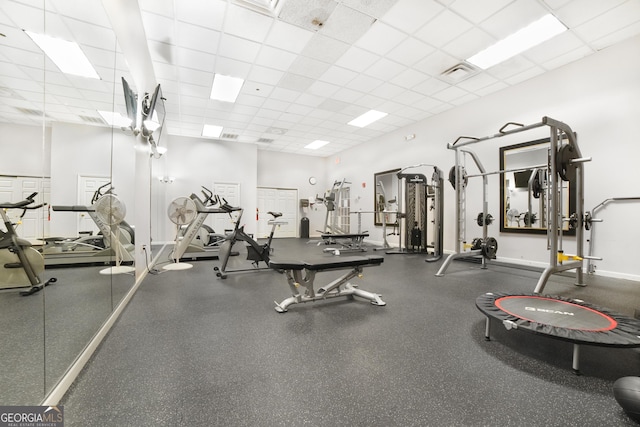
(510, 67)
(525, 75)
(567, 58)
(477, 11)
(161, 7)
(436, 63)
(197, 38)
(409, 15)
(384, 69)
(194, 59)
(346, 24)
(309, 14)
(559, 45)
(189, 75)
(265, 75)
(288, 37)
(231, 67)
(206, 13)
(617, 36)
(323, 89)
(468, 44)
(357, 59)
(245, 23)
(578, 12)
(295, 82)
(609, 22)
(237, 48)
(308, 67)
(338, 76)
(410, 51)
(371, 8)
(388, 91)
(380, 38)
(90, 11)
(275, 58)
(515, 16)
(324, 48)
(431, 86)
(364, 83)
(476, 82)
(449, 94)
(442, 29)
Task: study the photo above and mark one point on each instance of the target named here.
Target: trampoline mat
(562, 318)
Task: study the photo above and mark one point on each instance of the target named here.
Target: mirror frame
(392, 172)
(572, 192)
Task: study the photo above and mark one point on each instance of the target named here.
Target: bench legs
(338, 288)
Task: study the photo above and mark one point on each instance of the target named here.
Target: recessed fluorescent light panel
(367, 118)
(65, 54)
(532, 35)
(316, 144)
(115, 119)
(212, 131)
(226, 88)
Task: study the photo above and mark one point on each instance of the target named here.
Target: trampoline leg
(487, 330)
(576, 359)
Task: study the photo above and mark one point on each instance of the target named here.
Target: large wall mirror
(386, 196)
(58, 144)
(524, 191)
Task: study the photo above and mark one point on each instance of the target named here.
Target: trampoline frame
(624, 334)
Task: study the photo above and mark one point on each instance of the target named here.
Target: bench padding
(332, 263)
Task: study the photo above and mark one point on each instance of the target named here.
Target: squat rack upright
(564, 159)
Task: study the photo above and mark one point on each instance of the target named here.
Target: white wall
(599, 97)
(25, 152)
(88, 150)
(285, 170)
(197, 162)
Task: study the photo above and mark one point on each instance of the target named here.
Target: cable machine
(420, 212)
(565, 162)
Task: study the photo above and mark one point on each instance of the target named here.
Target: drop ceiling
(310, 66)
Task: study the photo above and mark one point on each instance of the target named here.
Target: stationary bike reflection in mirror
(255, 251)
(20, 264)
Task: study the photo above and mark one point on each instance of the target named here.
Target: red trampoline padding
(562, 318)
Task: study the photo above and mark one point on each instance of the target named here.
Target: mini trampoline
(561, 318)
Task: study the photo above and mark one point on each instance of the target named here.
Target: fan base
(119, 269)
(177, 266)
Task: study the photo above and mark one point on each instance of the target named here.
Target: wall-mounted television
(130, 102)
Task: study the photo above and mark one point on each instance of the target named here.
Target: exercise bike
(255, 251)
(20, 264)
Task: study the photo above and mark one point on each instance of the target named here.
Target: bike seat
(275, 214)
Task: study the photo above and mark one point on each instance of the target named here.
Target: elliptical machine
(20, 264)
(255, 251)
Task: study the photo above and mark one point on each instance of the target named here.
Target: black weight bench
(303, 273)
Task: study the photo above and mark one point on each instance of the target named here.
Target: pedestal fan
(182, 211)
(111, 211)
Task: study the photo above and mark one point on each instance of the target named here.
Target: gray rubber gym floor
(194, 350)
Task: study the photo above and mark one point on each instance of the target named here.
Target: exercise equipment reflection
(100, 249)
(20, 264)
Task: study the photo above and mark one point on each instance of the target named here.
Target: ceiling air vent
(458, 73)
(94, 120)
(265, 140)
(229, 136)
(266, 7)
(30, 111)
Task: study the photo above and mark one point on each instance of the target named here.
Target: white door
(230, 191)
(87, 186)
(13, 189)
(283, 200)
